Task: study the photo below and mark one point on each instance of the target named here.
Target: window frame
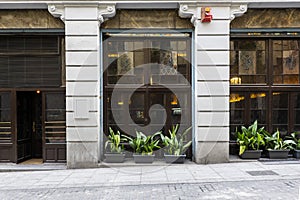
(291, 89)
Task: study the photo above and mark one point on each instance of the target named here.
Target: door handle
(33, 126)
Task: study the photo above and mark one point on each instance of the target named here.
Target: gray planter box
(143, 158)
(114, 157)
(278, 154)
(175, 159)
(297, 154)
(251, 154)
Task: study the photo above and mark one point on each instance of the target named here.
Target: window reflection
(248, 61)
(166, 59)
(285, 62)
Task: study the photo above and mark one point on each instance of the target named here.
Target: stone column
(211, 85)
(83, 78)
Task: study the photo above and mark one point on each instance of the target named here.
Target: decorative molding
(57, 11)
(237, 11)
(106, 11)
(188, 11)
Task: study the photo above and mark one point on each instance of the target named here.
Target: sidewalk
(114, 175)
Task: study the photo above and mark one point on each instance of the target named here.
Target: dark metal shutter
(30, 61)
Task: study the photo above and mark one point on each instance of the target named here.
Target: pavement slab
(251, 180)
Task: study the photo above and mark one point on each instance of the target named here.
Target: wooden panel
(6, 153)
(55, 153)
(61, 154)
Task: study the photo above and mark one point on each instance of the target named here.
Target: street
(278, 189)
(247, 180)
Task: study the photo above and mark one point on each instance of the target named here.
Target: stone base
(212, 152)
(82, 154)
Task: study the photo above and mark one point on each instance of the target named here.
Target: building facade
(72, 69)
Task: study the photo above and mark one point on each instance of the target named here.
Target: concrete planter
(114, 157)
(138, 158)
(278, 154)
(175, 159)
(251, 154)
(297, 154)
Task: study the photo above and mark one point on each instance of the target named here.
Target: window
(144, 70)
(285, 61)
(248, 62)
(265, 83)
(5, 117)
(55, 118)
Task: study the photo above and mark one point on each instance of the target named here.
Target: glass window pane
(258, 107)
(290, 44)
(55, 118)
(286, 62)
(280, 100)
(280, 116)
(277, 45)
(297, 101)
(248, 62)
(236, 117)
(5, 117)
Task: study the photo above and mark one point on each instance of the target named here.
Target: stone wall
(268, 18)
(147, 19)
(22, 19)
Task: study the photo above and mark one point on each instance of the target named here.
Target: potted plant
(277, 147)
(175, 146)
(296, 146)
(250, 140)
(143, 147)
(114, 147)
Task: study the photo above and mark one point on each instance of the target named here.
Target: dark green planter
(114, 157)
(175, 159)
(278, 154)
(251, 154)
(138, 158)
(297, 154)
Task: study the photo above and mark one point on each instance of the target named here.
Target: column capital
(193, 10)
(57, 10)
(189, 11)
(237, 10)
(106, 11)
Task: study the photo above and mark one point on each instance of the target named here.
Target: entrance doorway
(29, 125)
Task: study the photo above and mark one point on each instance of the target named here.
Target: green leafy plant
(250, 138)
(275, 142)
(174, 143)
(114, 141)
(143, 144)
(296, 139)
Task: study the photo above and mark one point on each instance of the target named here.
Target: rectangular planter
(297, 154)
(143, 158)
(251, 154)
(278, 154)
(175, 159)
(114, 157)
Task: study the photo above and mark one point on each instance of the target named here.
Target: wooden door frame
(13, 92)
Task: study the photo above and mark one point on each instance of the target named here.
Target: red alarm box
(206, 16)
